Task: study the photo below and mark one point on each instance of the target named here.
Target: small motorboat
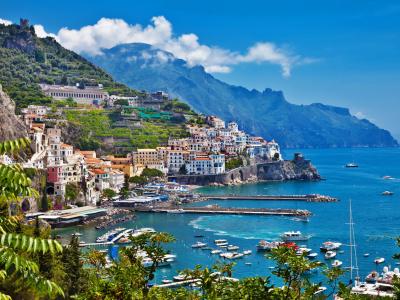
(248, 263)
(379, 260)
(351, 165)
(76, 234)
(166, 281)
(387, 193)
(366, 254)
(199, 245)
(330, 254)
(220, 241)
(294, 236)
(232, 248)
(217, 251)
(387, 177)
(330, 246)
(247, 252)
(180, 277)
(336, 263)
(312, 255)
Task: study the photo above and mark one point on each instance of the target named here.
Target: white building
(87, 95)
(117, 180)
(176, 159)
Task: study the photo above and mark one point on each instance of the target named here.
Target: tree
(44, 203)
(138, 180)
(183, 170)
(152, 173)
(73, 267)
(71, 192)
(16, 249)
(121, 102)
(109, 194)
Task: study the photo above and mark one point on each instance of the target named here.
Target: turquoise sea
(376, 217)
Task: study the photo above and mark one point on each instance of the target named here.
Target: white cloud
(40, 32)
(107, 33)
(360, 115)
(5, 22)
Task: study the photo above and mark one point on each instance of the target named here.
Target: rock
(11, 127)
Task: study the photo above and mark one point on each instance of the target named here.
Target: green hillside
(27, 60)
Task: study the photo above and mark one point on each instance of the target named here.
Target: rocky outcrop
(23, 41)
(11, 127)
(297, 169)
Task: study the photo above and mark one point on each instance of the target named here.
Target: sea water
(376, 217)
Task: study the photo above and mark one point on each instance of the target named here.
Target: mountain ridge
(266, 113)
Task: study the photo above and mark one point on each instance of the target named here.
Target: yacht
(330, 254)
(351, 165)
(387, 193)
(379, 260)
(231, 255)
(330, 246)
(294, 236)
(199, 245)
(268, 246)
(312, 255)
(216, 251)
(232, 248)
(336, 263)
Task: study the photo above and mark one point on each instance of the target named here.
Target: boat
(76, 234)
(336, 263)
(294, 236)
(199, 245)
(387, 177)
(372, 277)
(312, 255)
(232, 248)
(366, 254)
(166, 281)
(216, 251)
(379, 260)
(220, 241)
(330, 254)
(180, 277)
(351, 165)
(231, 255)
(330, 246)
(387, 193)
(176, 211)
(247, 252)
(303, 250)
(248, 263)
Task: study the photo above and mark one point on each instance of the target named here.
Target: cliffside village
(204, 152)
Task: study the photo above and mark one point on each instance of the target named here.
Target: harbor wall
(296, 169)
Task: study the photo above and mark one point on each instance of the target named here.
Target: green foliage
(73, 266)
(234, 163)
(138, 180)
(152, 173)
(71, 191)
(109, 194)
(21, 72)
(17, 249)
(121, 102)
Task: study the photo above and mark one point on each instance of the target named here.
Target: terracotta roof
(98, 171)
(65, 146)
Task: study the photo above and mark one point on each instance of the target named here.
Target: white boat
(302, 250)
(180, 277)
(232, 248)
(166, 281)
(294, 236)
(312, 255)
(199, 245)
(231, 255)
(176, 211)
(366, 254)
(247, 252)
(330, 254)
(387, 177)
(351, 165)
(379, 260)
(330, 246)
(387, 193)
(216, 251)
(267, 246)
(221, 241)
(336, 263)
(76, 234)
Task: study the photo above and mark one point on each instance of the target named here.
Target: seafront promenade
(306, 198)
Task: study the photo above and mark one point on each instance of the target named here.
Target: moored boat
(330, 246)
(336, 263)
(247, 252)
(330, 254)
(294, 236)
(351, 165)
(312, 255)
(267, 246)
(199, 245)
(387, 193)
(379, 260)
(232, 248)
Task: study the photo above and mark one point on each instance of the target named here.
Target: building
(148, 158)
(215, 122)
(176, 159)
(86, 95)
(117, 180)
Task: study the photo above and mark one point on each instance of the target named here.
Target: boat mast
(353, 247)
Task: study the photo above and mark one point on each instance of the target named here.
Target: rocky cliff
(11, 127)
(297, 169)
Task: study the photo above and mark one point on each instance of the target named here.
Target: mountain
(265, 113)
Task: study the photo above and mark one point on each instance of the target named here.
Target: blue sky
(344, 53)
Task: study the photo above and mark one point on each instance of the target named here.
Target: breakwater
(229, 211)
(306, 198)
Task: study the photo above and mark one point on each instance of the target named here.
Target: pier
(305, 198)
(229, 211)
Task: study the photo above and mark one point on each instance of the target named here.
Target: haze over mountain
(265, 113)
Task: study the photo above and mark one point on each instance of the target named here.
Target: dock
(112, 242)
(305, 198)
(229, 211)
